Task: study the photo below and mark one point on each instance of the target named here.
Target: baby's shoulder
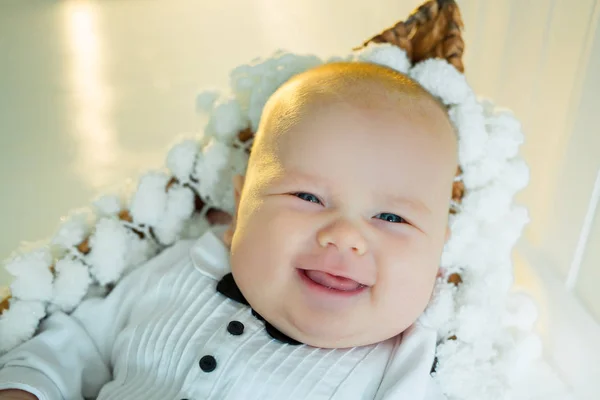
(170, 260)
(206, 255)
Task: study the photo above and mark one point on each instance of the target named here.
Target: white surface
(91, 92)
(584, 237)
(569, 333)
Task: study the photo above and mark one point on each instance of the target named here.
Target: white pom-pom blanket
(485, 334)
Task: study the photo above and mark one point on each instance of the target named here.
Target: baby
(315, 290)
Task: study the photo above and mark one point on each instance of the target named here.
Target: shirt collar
(210, 256)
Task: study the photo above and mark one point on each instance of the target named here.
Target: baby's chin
(317, 335)
(330, 332)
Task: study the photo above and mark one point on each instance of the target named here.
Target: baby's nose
(343, 235)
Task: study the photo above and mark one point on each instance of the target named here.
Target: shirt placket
(217, 355)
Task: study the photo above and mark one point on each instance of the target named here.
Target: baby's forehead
(365, 85)
(370, 89)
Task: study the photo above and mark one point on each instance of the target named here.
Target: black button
(208, 363)
(236, 328)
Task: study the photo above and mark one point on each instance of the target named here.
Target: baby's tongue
(332, 281)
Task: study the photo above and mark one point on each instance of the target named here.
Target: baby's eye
(308, 197)
(389, 217)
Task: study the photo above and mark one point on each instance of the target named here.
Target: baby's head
(343, 213)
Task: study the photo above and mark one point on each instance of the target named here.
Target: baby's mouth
(332, 282)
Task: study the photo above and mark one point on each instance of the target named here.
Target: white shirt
(164, 332)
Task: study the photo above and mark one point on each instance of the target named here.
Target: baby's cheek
(261, 259)
(250, 204)
(408, 275)
(264, 238)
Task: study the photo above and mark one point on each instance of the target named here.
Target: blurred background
(94, 92)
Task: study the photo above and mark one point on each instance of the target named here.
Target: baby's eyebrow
(414, 204)
(302, 177)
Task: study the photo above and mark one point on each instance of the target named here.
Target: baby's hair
(342, 78)
(364, 84)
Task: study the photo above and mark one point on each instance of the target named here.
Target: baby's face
(343, 215)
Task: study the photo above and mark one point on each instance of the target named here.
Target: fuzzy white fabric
(109, 244)
(227, 120)
(70, 285)
(494, 345)
(107, 205)
(33, 279)
(206, 100)
(443, 80)
(182, 158)
(19, 323)
(209, 167)
(179, 208)
(150, 200)
(74, 229)
(387, 55)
